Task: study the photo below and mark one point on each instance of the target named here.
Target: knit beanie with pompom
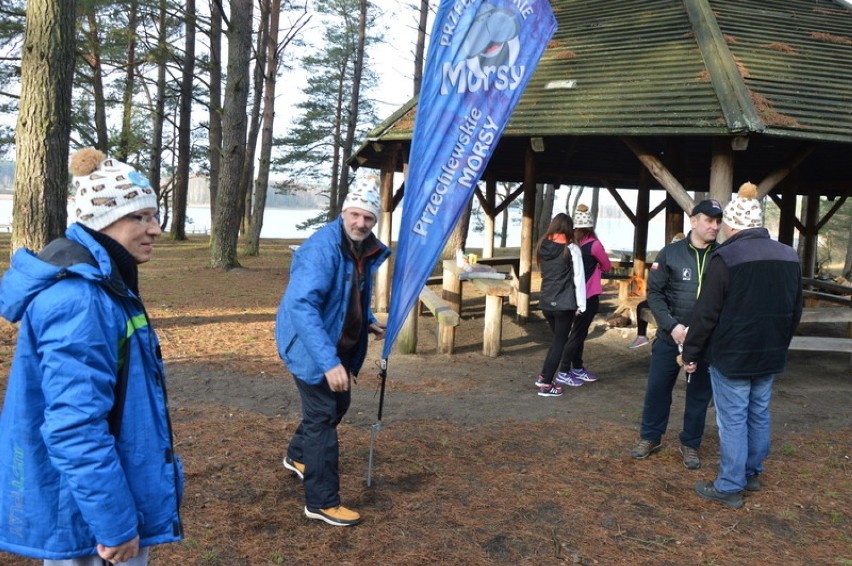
(106, 189)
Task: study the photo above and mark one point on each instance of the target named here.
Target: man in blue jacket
(321, 332)
(742, 325)
(88, 471)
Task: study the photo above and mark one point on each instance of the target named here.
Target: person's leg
(662, 376)
(758, 424)
(321, 411)
(579, 332)
(560, 324)
(641, 323)
(732, 400)
(698, 395)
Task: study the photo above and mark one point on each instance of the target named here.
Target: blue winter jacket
(311, 315)
(66, 483)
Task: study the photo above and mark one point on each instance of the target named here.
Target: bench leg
(493, 334)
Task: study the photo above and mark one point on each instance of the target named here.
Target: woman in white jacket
(563, 294)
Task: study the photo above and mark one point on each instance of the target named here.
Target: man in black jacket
(674, 284)
(742, 325)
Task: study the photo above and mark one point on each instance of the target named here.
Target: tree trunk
(159, 118)
(847, 264)
(420, 47)
(262, 184)
(226, 220)
(43, 128)
(254, 120)
(215, 110)
(352, 119)
(458, 237)
(181, 188)
(124, 143)
(93, 58)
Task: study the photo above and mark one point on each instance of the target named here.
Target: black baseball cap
(710, 207)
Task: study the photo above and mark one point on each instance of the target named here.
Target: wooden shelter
(680, 95)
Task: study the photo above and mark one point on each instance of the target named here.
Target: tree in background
(226, 219)
(41, 172)
(315, 150)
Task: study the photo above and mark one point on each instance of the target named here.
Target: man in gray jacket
(674, 283)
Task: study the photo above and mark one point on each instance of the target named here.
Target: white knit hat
(107, 189)
(744, 211)
(582, 217)
(365, 195)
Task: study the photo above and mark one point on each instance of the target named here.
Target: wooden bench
(495, 291)
(825, 315)
(447, 319)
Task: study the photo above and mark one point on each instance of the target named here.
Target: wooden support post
(451, 293)
(406, 342)
(525, 274)
(492, 335)
(490, 199)
(381, 293)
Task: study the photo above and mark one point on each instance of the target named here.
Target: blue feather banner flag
(482, 54)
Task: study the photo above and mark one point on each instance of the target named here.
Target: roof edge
(734, 98)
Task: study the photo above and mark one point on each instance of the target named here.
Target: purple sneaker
(583, 375)
(567, 379)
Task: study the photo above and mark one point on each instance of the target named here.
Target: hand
(377, 330)
(121, 553)
(338, 378)
(691, 367)
(679, 334)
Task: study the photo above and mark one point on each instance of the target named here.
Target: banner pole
(383, 374)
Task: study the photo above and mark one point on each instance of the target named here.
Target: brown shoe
(645, 448)
(338, 516)
(690, 457)
(297, 468)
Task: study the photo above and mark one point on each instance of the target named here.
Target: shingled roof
(677, 74)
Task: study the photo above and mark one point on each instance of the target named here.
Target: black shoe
(709, 491)
(690, 457)
(645, 448)
(753, 483)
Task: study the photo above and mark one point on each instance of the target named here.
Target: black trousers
(560, 323)
(579, 332)
(315, 442)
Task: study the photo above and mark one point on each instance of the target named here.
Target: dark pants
(579, 332)
(662, 377)
(315, 442)
(560, 324)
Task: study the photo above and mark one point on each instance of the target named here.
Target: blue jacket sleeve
(78, 343)
(308, 299)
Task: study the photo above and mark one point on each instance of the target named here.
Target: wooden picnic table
(493, 285)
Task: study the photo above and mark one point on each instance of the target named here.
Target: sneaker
(690, 457)
(753, 483)
(539, 381)
(583, 375)
(297, 468)
(638, 341)
(550, 390)
(568, 379)
(708, 491)
(338, 516)
(645, 448)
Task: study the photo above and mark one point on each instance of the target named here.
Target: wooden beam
(771, 180)
(661, 174)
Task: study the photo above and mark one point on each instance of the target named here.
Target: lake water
(614, 233)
